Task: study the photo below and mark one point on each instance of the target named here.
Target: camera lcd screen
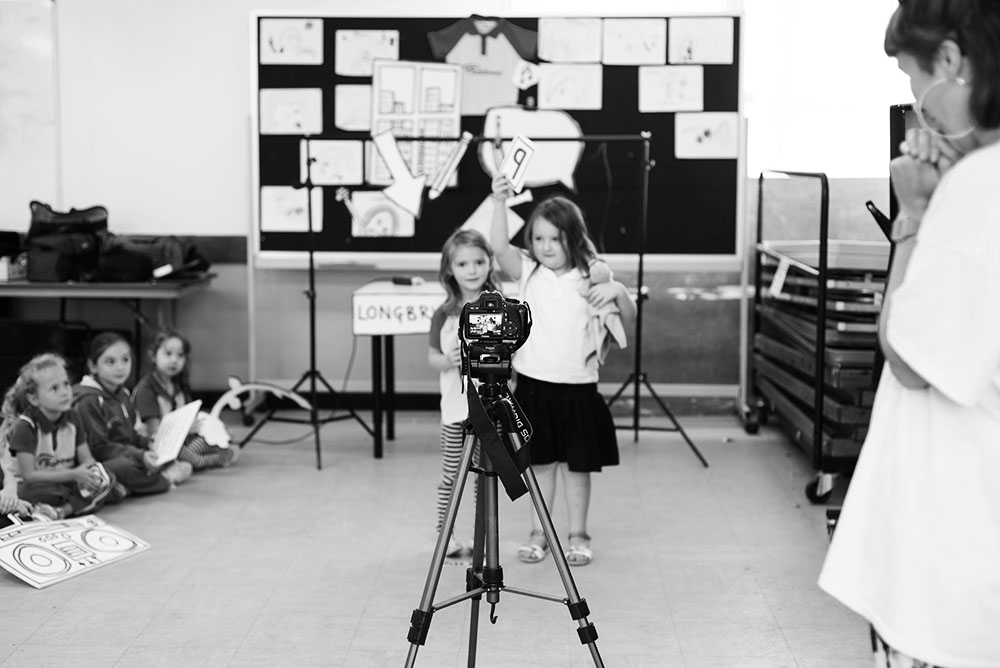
(485, 324)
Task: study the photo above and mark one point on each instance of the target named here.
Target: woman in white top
(917, 547)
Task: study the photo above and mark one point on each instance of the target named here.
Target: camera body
(491, 329)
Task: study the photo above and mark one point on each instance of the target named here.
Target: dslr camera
(491, 329)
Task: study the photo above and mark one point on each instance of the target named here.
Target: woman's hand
(501, 187)
(916, 172)
(455, 356)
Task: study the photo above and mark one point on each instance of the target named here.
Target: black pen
(883, 221)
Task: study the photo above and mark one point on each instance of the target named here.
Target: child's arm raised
(508, 257)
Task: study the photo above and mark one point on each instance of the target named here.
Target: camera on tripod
(491, 329)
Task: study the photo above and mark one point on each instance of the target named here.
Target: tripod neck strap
(508, 463)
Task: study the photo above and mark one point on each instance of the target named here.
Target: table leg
(377, 394)
(390, 389)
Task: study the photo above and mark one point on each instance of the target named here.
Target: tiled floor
(273, 563)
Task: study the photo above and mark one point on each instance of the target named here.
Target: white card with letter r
(515, 163)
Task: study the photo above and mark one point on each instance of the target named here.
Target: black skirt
(570, 423)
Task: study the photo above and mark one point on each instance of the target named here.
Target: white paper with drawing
(575, 40)
(357, 50)
(664, 88)
(286, 209)
(291, 41)
(701, 40)
(635, 42)
(334, 162)
(172, 432)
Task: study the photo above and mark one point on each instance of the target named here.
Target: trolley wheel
(751, 426)
(819, 489)
(248, 420)
(763, 415)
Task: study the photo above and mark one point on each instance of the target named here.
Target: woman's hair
(918, 27)
(15, 401)
(458, 239)
(568, 219)
(162, 337)
(102, 342)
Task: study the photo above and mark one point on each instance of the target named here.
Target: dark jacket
(109, 419)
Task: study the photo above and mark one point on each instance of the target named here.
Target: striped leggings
(197, 452)
(452, 440)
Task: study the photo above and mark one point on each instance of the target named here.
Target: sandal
(579, 552)
(535, 549)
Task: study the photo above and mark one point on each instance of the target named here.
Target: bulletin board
(342, 94)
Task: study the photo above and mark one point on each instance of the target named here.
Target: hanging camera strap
(508, 461)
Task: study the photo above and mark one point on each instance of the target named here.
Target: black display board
(692, 203)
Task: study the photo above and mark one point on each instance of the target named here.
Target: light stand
(312, 374)
(638, 377)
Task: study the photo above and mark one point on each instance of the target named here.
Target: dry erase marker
(450, 165)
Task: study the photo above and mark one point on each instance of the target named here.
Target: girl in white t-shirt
(466, 270)
(557, 373)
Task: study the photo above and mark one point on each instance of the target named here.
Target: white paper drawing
(334, 162)
(415, 99)
(357, 50)
(570, 86)
(291, 111)
(707, 135)
(352, 107)
(671, 88)
(701, 40)
(553, 162)
(569, 40)
(285, 209)
(635, 42)
(45, 553)
(291, 41)
(375, 215)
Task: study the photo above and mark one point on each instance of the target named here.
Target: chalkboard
(324, 86)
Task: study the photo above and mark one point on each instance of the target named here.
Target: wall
(153, 105)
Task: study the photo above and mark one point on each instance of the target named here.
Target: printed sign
(515, 163)
(44, 553)
(393, 309)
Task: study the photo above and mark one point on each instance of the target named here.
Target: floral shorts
(887, 657)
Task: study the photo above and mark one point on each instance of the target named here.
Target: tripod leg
(577, 606)
(420, 620)
(677, 425)
(478, 553)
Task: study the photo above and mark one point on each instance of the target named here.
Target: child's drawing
(707, 135)
(569, 40)
(352, 110)
(285, 209)
(375, 215)
(357, 50)
(635, 41)
(291, 41)
(570, 86)
(334, 162)
(701, 40)
(671, 88)
(291, 111)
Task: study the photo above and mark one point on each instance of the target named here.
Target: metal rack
(813, 339)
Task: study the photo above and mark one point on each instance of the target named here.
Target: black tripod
(638, 377)
(312, 374)
(494, 410)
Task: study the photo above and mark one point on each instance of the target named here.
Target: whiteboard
(29, 164)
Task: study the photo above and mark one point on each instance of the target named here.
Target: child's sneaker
(229, 456)
(178, 472)
(457, 553)
(118, 493)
